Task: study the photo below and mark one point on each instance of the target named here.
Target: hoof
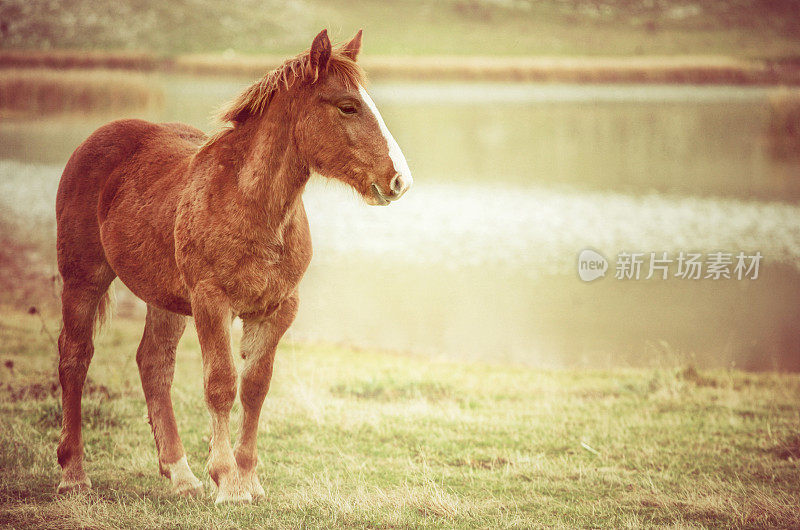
(257, 492)
(251, 484)
(70, 486)
(188, 489)
(184, 483)
(243, 497)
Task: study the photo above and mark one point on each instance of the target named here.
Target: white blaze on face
(399, 161)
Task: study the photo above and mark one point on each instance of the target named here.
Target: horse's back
(80, 252)
(122, 181)
(110, 146)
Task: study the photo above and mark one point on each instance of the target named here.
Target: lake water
(479, 260)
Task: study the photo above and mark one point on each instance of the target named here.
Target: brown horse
(212, 228)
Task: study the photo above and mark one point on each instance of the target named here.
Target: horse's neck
(270, 177)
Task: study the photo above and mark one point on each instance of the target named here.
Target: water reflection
(684, 140)
(512, 181)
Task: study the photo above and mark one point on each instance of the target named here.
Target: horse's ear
(352, 48)
(320, 53)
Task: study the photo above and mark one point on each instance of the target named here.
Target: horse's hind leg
(81, 299)
(156, 360)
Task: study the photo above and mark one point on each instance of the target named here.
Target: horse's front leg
(259, 341)
(212, 316)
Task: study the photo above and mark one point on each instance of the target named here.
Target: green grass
(748, 29)
(368, 439)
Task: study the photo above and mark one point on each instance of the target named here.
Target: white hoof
(188, 489)
(251, 484)
(240, 497)
(68, 486)
(184, 483)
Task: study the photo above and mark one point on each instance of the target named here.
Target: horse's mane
(254, 100)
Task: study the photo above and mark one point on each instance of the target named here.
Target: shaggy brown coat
(213, 228)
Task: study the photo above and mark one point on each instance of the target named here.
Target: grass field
(354, 438)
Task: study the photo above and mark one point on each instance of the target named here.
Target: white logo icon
(591, 265)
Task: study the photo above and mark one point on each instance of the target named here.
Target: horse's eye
(347, 109)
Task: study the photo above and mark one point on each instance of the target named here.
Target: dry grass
(38, 92)
(370, 440)
(78, 59)
(686, 69)
(784, 123)
(652, 69)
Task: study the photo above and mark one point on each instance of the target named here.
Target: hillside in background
(749, 29)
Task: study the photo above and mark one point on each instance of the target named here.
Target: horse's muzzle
(397, 187)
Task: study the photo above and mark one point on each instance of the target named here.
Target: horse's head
(340, 132)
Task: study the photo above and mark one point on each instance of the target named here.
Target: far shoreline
(678, 69)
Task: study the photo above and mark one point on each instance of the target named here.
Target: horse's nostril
(396, 185)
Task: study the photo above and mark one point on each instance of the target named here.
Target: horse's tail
(103, 310)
